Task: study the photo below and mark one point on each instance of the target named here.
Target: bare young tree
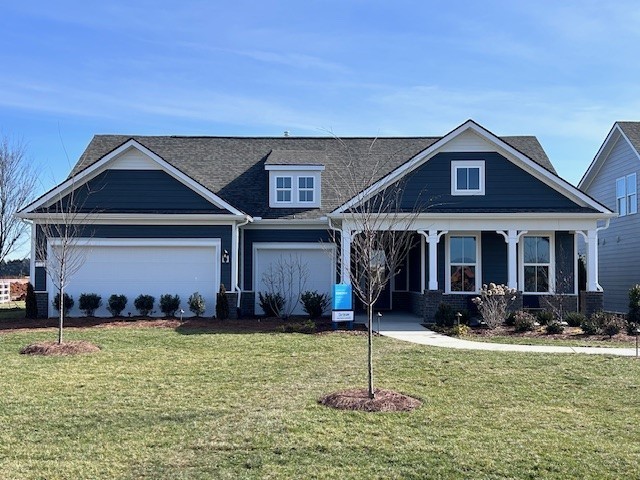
(17, 186)
(381, 226)
(62, 233)
(287, 276)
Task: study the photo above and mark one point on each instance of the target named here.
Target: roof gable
(131, 156)
(469, 137)
(629, 132)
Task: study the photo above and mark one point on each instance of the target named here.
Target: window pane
(474, 178)
(456, 279)
(457, 249)
(631, 184)
(530, 250)
(469, 249)
(620, 191)
(305, 182)
(287, 182)
(306, 196)
(469, 279)
(279, 182)
(542, 279)
(543, 250)
(529, 279)
(461, 179)
(632, 204)
(622, 206)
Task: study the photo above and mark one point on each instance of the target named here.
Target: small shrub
(300, 327)
(314, 303)
(592, 325)
(445, 316)
(574, 319)
(634, 304)
(632, 328)
(271, 303)
(169, 304)
(116, 304)
(554, 327)
(493, 303)
(510, 321)
(68, 302)
(544, 317)
(524, 322)
(196, 304)
(459, 330)
(31, 304)
(602, 323)
(89, 303)
(144, 304)
(222, 304)
(612, 327)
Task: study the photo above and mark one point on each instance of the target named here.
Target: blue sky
(563, 71)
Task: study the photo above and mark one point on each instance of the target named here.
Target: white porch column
(592, 261)
(512, 237)
(422, 259)
(433, 237)
(345, 264)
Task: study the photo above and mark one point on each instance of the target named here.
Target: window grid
(283, 189)
(305, 189)
(463, 263)
(626, 195)
(537, 264)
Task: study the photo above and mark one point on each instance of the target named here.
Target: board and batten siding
(223, 232)
(618, 245)
(138, 191)
(280, 235)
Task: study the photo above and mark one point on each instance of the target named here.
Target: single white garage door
(145, 266)
(316, 260)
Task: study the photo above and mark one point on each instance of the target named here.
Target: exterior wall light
(225, 256)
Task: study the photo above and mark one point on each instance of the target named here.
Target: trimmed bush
(30, 302)
(524, 322)
(271, 303)
(169, 304)
(554, 327)
(89, 303)
(574, 319)
(314, 303)
(510, 321)
(544, 317)
(68, 302)
(116, 304)
(144, 304)
(196, 304)
(613, 326)
(593, 324)
(222, 304)
(459, 330)
(303, 327)
(603, 323)
(445, 316)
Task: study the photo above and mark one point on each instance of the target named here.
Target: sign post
(342, 305)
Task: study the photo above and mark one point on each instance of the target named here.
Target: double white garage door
(145, 266)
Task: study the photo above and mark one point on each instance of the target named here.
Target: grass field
(161, 403)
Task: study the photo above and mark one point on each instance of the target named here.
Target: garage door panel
(150, 270)
(318, 264)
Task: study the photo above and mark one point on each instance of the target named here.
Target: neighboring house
(184, 214)
(612, 179)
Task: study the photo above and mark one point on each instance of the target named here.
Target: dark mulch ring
(358, 399)
(65, 348)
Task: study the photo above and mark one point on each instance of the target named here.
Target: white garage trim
(200, 267)
(329, 250)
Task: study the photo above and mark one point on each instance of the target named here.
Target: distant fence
(5, 291)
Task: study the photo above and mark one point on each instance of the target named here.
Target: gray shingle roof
(233, 167)
(632, 131)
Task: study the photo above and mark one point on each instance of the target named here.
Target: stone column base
(591, 302)
(42, 301)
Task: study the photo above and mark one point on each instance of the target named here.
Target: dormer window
(467, 177)
(294, 186)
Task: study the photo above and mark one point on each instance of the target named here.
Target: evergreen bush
(314, 303)
(144, 304)
(271, 303)
(68, 303)
(116, 304)
(222, 304)
(89, 303)
(169, 304)
(31, 303)
(196, 304)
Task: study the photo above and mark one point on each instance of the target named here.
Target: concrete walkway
(408, 328)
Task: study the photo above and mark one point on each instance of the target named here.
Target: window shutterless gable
(467, 177)
(627, 195)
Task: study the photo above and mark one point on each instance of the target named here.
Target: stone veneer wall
(232, 299)
(591, 302)
(247, 304)
(42, 301)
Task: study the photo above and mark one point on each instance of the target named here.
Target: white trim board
(101, 165)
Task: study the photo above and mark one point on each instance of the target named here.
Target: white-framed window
(467, 177)
(305, 189)
(626, 195)
(294, 186)
(537, 263)
(283, 189)
(463, 269)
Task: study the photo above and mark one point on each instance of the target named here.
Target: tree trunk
(370, 351)
(61, 316)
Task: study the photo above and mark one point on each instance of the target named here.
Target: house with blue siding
(170, 214)
(612, 179)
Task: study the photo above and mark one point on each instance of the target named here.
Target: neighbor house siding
(138, 191)
(280, 235)
(507, 188)
(223, 232)
(618, 245)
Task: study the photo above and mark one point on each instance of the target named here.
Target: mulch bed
(65, 348)
(358, 399)
(570, 333)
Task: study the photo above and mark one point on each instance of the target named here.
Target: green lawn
(604, 341)
(157, 403)
(12, 311)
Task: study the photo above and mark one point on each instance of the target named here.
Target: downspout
(236, 257)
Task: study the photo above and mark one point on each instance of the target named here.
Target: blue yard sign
(342, 297)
